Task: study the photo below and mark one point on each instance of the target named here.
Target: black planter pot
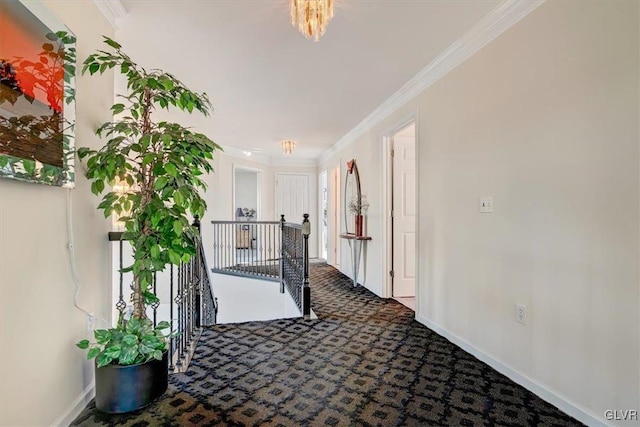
(128, 388)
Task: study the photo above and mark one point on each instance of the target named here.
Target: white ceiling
(268, 83)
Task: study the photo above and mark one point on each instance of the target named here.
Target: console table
(355, 243)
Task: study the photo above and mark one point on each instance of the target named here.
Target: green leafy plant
(161, 164)
(136, 341)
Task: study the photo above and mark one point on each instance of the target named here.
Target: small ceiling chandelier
(311, 16)
(288, 146)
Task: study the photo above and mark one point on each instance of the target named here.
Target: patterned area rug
(364, 362)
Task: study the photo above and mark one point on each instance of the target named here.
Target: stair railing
(186, 300)
(267, 250)
(247, 249)
(294, 263)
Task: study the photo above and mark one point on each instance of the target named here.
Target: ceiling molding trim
(294, 161)
(485, 31)
(112, 10)
(240, 154)
(267, 160)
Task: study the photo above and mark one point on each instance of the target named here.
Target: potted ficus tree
(162, 164)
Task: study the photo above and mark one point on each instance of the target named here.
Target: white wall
(546, 120)
(246, 300)
(41, 369)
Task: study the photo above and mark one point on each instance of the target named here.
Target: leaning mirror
(352, 197)
(37, 95)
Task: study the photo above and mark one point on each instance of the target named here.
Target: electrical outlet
(521, 313)
(90, 320)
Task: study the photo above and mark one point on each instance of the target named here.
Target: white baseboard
(544, 392)
(74, 409)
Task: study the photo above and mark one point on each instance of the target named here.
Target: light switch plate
(486, 204)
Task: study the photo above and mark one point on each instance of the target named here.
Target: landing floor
(364, 361)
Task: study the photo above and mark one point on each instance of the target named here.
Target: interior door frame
(235, 168)
(387, 203)
(336, 177)
(324, 172)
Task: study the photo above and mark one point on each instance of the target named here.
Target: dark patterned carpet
(365, 361)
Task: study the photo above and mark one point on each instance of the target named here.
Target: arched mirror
(352, 196)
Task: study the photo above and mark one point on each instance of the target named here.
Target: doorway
(334, 218)
(401, 190)
(246, 194)
(246, 208)
(324, 215)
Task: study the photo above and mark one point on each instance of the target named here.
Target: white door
(324, 216)
(292, 197)
(334, 217)
(404, 216)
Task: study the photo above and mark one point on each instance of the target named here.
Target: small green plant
(162, 164)
(136, 342)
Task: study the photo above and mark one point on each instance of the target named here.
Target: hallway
(365, 361)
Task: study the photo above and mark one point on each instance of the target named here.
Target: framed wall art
(37, 95)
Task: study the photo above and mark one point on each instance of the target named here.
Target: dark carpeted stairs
(365, 361)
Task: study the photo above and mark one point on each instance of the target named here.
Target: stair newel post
(282, 238)
(197, 272)
(306, 290)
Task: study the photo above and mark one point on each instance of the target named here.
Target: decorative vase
(122, 389)
(359, 223)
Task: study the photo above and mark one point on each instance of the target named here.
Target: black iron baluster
(282, 254)
(121, 305)
(268, 255)
(172, 340)
(179, 308)
(199, 275)
(156, 303)
(306, 290)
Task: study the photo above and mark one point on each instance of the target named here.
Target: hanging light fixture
(288, 146)
(311, 17)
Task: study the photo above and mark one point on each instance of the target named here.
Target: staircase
(268, 250)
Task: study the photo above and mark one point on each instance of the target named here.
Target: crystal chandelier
(288, 146)
(311, 16)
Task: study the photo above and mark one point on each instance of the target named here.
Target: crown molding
(294, 161)
(485, 31)
(238, 153)
(267, 160)
(112, 10)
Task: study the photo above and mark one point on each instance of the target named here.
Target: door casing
(387, 203)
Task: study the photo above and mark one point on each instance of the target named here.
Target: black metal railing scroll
(294, 263)
(247, 248)
(186, 299)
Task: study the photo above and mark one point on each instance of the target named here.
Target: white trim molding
(386, 198)
(267, 160)
(486, 30)
(240, 154)
(291, 161)
(76, 407)
(546, 393)
(112, 10)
